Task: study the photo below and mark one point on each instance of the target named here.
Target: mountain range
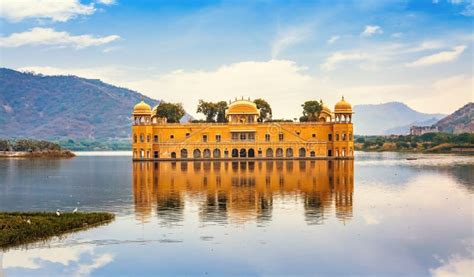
(58, 107)
(461, 121)
(389, 118)
(47, 107)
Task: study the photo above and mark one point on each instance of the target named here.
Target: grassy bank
(19, 228)
(427, 143)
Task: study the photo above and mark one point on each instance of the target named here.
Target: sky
(418, 52)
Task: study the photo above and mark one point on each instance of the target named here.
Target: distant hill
(388, 118)
(461, 121)
(52, 107)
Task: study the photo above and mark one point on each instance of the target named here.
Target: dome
(343, 107)
(142, 108)
(243, 107)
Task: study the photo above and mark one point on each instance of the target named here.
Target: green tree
(173, 112)
(265, 109)
(221, 106)
(209, 109)
(311, 110)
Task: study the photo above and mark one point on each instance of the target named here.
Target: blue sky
(370, 51)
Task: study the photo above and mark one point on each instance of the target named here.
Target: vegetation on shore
(32, 148)
(19, 228)
(429, 143)
(96, 144)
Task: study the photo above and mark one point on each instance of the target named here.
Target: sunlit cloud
(56, 10)
(49, 36)
(459, 264)
(441, 57)
(340, 57)
(333, 39)
(371, 30)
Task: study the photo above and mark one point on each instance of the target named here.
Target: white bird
(75, 211)
(58, 213)
(28, 221)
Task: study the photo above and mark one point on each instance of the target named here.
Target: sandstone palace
(242, 136)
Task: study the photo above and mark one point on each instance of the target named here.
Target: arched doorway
(197, 153)
(251, 153)
(302, 152)
(206, 153)
(289, 152)
(184, 153)
(279, 153)
(173, 155)
(269, 153)
(329, 153)
(243, 153)
(217, 153)
(235, 153)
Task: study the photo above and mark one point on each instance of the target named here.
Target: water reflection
(242, 191)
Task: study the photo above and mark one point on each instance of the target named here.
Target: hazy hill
(388, 118)
(461, 121)
(39, 106)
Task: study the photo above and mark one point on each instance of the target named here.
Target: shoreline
(19, 228)
(37, 154)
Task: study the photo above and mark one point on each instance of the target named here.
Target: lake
(380, 214)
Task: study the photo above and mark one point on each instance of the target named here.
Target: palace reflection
(243, 190)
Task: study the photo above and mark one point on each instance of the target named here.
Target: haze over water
(379, 214)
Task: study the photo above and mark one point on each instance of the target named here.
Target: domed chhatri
(242, 136)
(343, 106)
(142, 107)
(241, 111)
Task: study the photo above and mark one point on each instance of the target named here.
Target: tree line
(215, 111)
(28, 145)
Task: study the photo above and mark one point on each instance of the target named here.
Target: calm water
(379, 214)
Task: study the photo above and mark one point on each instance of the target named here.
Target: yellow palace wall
(214, 140)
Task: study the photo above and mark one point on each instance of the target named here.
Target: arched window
(207, 153)
(243, 153)
(217, 153)
(269, 153)
(289, 152)
(302, 152)
(173, 155)
(197, 153)
(312, 154)
(279, 152)
(251, 153)
(184, 153)
(235, 153)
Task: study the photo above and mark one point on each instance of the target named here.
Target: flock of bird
(58, 212)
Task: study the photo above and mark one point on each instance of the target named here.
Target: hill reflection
(244, 190)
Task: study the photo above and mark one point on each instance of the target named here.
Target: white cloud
(468, 6)
(56, 10)
(340, 57)
(333, 39)
(289, 37)
(106, 2)
(371, 30)
(80, 260)
(49, 36)
(441, 57)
